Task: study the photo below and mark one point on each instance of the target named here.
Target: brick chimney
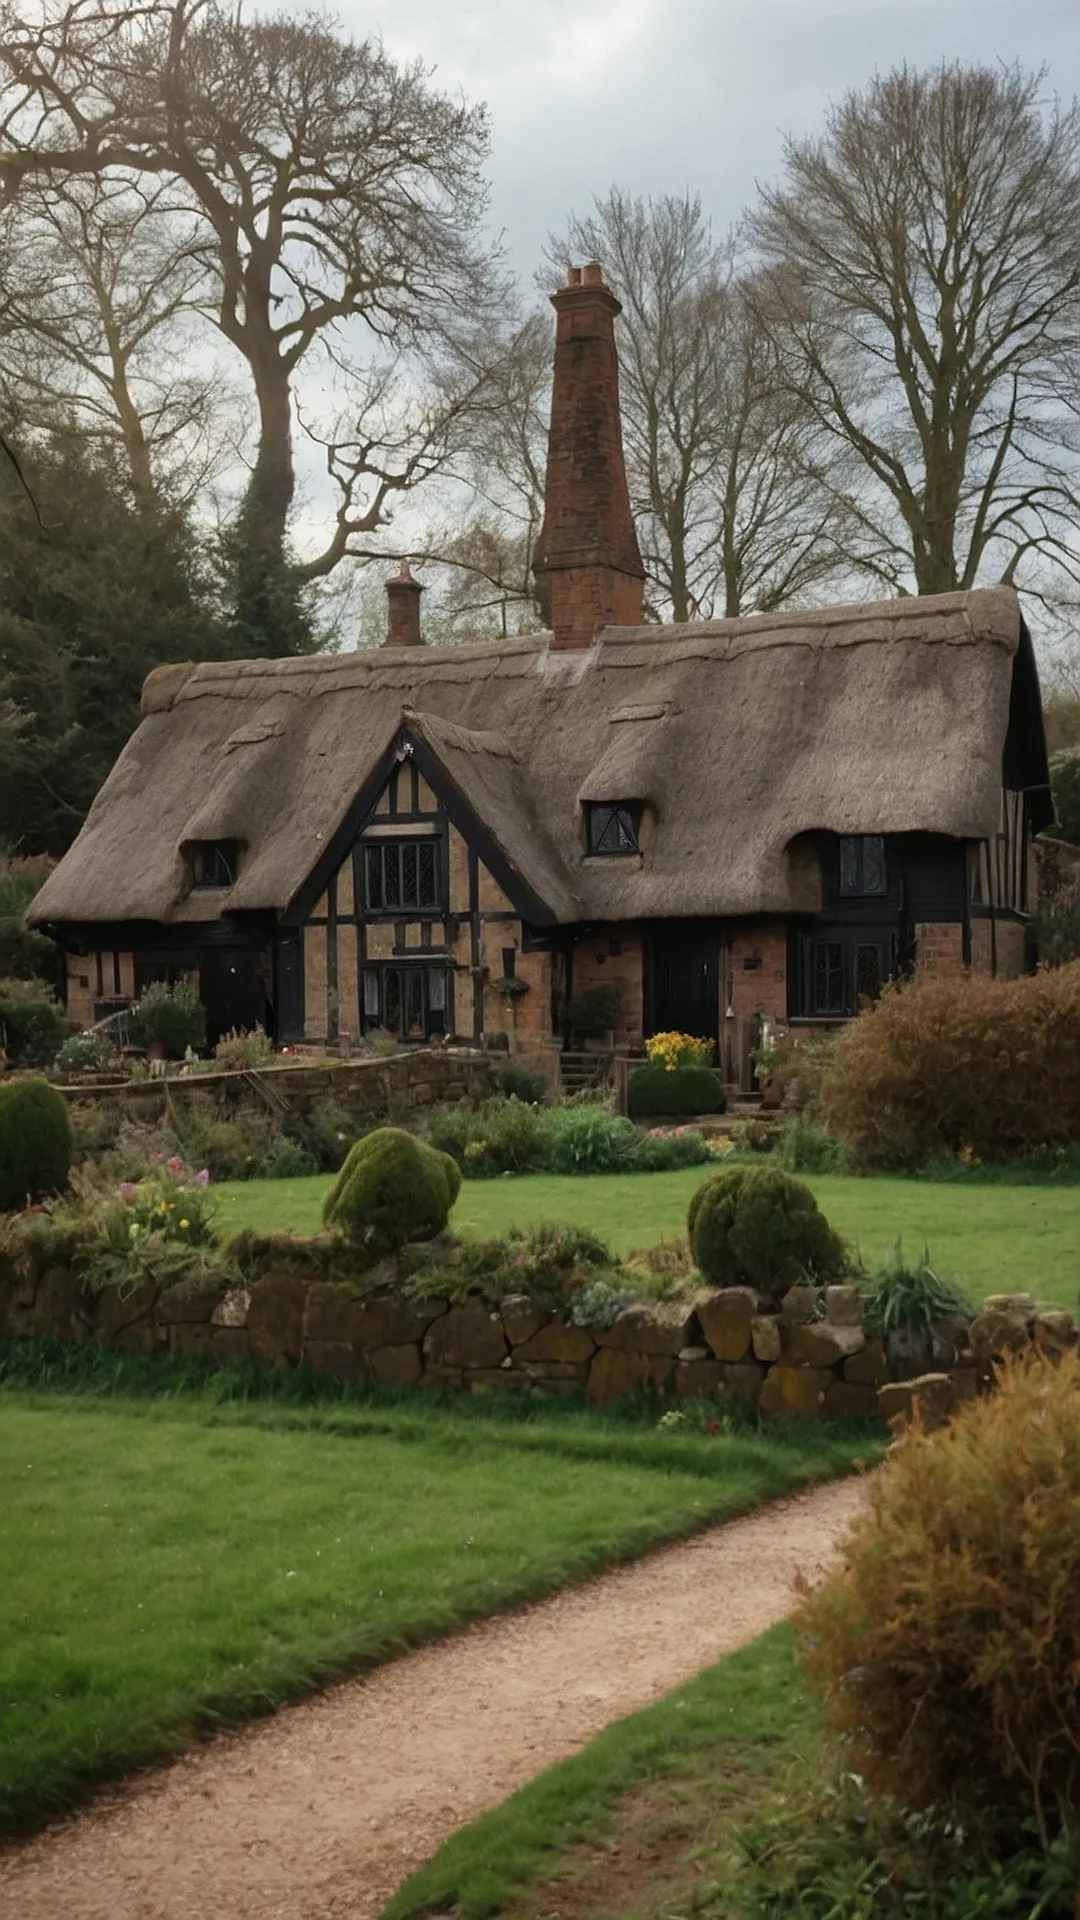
(588, 567)
(403, 610)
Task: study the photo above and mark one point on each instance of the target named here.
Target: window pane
(426, 892)
(391, 876)
(849, 866)
(373, 856)
(392, 1000)
(436, 986)
(828, 972)
(371, 996)
(408, 874)
(414, 1000)
(625, 828)
(875, 874)
(868, 972)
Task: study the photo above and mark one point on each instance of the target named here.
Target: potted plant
(764, 1058)
(169, 1019)
(593, 1016)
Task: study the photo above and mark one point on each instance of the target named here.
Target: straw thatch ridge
(737, 736)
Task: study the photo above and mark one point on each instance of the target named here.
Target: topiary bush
(653, 1091)
(392, 1189)
(937, 1067)
(947, 1646)
(757, 1227)
(36, 1143)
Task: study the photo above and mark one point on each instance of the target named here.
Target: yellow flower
(185, 1223)
(162, 1208)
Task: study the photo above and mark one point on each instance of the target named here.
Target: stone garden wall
(292, 1303)
(392, 1088)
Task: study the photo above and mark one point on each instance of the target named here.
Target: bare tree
(99, 325)
(337, 197)
(731, 480)
(922, 270)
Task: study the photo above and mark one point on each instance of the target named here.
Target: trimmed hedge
(757, 1227)
(33, 1031)
(392, 1189)
(937, 1067)
(653, 1092)
(36, 1143)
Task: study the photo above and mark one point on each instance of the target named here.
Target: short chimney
(588, 565)
(403, 610)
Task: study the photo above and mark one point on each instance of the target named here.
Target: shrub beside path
(321, 1811)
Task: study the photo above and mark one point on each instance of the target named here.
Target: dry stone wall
(295, 1304)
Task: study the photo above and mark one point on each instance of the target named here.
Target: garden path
(321, 1811)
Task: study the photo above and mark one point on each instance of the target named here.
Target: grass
(183, 1551)
(993, 1237)
(625, 1820)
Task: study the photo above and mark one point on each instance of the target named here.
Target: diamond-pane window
(399, 874)
(614, 828)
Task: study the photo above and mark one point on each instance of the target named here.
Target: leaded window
(613, 828)
(213, 863)
(402, 874)
(840, 969)
(863, 866)
(410, 1001)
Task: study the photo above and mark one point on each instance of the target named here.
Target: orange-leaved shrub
(947, 1644)
(939, 1066)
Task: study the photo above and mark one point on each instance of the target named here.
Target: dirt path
(320, 1812)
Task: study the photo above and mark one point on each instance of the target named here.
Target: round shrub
(653, 1091)
(947, 1644)
(31, 1031)
(172, 1017)
(452, 1171)
(393, 1188)
(36, 1143)
(754, 1226)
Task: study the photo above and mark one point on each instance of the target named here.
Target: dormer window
(613, 827)
(863, 867)
(213, 863)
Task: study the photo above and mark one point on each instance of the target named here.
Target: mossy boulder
(393, 1188)
(36, 1143)
(757, 1227)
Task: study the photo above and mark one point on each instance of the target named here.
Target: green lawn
(997, 1238)
(176, 1562)
(643, 1822)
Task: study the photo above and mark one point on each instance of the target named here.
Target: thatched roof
(737, 735)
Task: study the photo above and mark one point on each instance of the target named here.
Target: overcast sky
(659, 95)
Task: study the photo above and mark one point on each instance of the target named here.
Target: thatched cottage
(735, 819)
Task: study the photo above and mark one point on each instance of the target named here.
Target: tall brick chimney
(588, 567)
(403, 610)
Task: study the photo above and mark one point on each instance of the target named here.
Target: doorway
(683, 983)
(232, 987)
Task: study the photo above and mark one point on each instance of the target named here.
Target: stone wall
(392, 1088)
(297, 1301)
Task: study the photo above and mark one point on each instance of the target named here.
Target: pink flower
(126, 1189)
(155, 1158)
(203, 1178)
(175, 1165)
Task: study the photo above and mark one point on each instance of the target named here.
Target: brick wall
(999, 948)
(596, 965)
(939, 947)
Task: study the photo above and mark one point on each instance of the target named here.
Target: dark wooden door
(232, 987)
(685, 984)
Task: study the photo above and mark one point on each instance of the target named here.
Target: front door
(232, 988)
(684, 983)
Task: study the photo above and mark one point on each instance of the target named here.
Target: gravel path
(321, 1811)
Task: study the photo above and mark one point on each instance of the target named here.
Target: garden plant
(36, 1143)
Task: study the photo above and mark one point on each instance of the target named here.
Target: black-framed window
(214, 863)
(612, 827)
(403, 874)
(864, 869)
(411, 1001)
(840, 968)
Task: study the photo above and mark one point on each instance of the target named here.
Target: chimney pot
(573, 278)
(403, 610)
(593, 274)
